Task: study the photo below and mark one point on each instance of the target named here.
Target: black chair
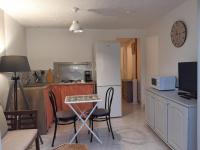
(61, 117)
(103, 114)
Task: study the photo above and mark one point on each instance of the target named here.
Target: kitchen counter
(60, 83)
(37, 95)
(73, 83)
(173, 96)
(61, 90)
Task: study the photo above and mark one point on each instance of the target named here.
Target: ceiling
(93, 14)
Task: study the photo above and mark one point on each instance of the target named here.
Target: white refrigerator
(107, 57)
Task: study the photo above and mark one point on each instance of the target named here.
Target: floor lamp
(14, 64)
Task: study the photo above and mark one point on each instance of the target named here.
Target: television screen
(187, 72)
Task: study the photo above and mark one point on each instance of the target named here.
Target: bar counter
(39, 99)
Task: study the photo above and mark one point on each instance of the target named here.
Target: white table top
(92, 98)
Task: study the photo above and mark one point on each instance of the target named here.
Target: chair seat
(65, 116)
(100, 112)
(19, 139)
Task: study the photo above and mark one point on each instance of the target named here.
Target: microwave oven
(163, 83)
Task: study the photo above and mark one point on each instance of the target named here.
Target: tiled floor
(131, 133)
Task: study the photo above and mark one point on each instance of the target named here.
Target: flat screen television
(187, 73)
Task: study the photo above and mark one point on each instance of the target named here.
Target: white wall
(160, 53)
(152, 47)
(2, 33)
(13, 42)
(15, 37)
(162, 57)
(47, 45)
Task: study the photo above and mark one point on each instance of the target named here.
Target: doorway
(130, 74)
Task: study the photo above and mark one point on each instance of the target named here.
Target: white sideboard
(174, 119)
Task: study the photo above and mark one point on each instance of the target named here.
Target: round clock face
(178, 33)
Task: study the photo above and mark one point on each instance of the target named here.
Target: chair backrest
(52, 99)
(109, 98)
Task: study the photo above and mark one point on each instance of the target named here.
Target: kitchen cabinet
(177, 126)
(174, 119)
(161, 117)
(156, 114)
(150, 107)
(63, 90)
(35, 96)
(39, 100)
(75, 90)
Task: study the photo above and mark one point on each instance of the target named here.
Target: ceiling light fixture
(75, 26)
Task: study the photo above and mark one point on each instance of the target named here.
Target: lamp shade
(75, 27)
(14, 64)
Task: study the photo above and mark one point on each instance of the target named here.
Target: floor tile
(131, 133)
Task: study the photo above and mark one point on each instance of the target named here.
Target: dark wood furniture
(103, 114)
(61, 117)
(127, 90)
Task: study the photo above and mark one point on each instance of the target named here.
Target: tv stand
(173, 118)
(182, 93)
(186, 96)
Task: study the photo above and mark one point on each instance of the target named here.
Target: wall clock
(178, 33)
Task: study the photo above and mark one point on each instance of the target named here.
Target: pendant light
(75, 26)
